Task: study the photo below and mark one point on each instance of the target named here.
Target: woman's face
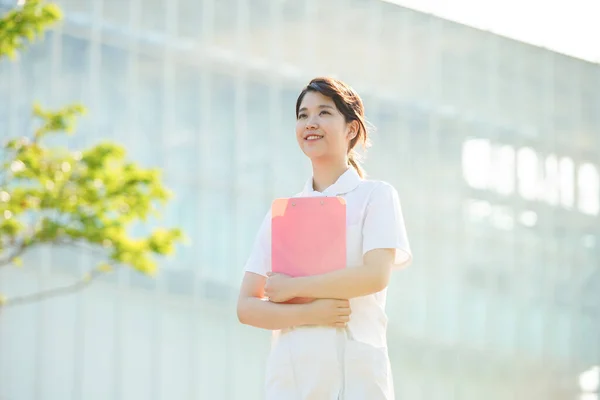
(321, 130)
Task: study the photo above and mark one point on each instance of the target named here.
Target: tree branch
(94, 249)
(50, 293)
(16, 254)
(58, 241)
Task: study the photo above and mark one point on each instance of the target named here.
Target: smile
(313, 137)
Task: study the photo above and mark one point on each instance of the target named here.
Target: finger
(344, 311)
(343, 303)
(343, 318)
(340, 324)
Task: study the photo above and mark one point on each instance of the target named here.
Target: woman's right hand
(329, 312)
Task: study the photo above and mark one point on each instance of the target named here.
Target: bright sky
(567, 27)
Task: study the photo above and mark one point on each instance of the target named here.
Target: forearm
(346, 283)
(272, 316)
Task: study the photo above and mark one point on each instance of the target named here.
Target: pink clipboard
(308, 236)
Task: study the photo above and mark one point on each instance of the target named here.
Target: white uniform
(326, 363)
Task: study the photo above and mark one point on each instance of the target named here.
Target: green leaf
(22, 24)
(57, 195)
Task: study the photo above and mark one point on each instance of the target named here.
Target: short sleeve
(384, 226)
(259, 260)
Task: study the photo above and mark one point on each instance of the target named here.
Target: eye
(325, 112)
(301, 116)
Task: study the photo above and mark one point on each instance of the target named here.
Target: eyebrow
(321, 106)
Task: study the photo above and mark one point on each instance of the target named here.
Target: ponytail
(353, 159)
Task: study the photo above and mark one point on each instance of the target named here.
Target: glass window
(74, 75)
(451, 75)
(180, 282)
(588, 346)
(378, 161)
(28, 83)
(474, 310)
(590, 104)
(533, 332)
(112, 104)
(183, 211)
(190, 15)
(196, 18)
(418, 124)
(35, 62)
(534, 90)
(476, 85)
(446, 316)
(502, 323)
(75, 6)
(182, 139)
(567, 187)
(226, 14)
(255, 135)
(449, 142)
(551, 178)
(506, 82)
(527, 173)
(503, 169)
(216, 236)
(154, 15)
(563, 93)
(476, 162)
(117, 12)
(261, 25)
(72, 85)
(146, 141)
(588, 184)
(221, 137)
(559, 341)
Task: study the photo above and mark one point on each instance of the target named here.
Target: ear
(352, 130)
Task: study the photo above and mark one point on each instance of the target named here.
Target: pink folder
(308, 236)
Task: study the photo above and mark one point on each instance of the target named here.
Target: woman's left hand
(279, 287)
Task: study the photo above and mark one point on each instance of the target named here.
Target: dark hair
(349, 103)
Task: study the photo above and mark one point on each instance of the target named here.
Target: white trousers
(318, 363)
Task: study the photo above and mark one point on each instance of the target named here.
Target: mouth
(312, 138)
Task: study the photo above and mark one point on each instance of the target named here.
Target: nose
(311, 123)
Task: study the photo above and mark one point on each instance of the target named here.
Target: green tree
(52, 195)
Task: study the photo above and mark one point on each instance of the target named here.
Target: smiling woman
(322, 110)
(320, 351)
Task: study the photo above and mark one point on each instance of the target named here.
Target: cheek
(336, 134)
(299, 130)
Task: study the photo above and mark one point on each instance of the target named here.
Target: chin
(313, 154)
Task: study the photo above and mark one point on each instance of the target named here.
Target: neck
(326, 173)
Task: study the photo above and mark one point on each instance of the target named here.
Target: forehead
(315, 99)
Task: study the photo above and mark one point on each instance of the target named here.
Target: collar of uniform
(347, 182)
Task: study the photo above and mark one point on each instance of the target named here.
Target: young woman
(334, 347)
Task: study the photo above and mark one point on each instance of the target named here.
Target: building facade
(493, 145)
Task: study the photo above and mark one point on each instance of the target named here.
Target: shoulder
(377, 188)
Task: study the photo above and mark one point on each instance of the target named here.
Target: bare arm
(371, 277)
(255, 310)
